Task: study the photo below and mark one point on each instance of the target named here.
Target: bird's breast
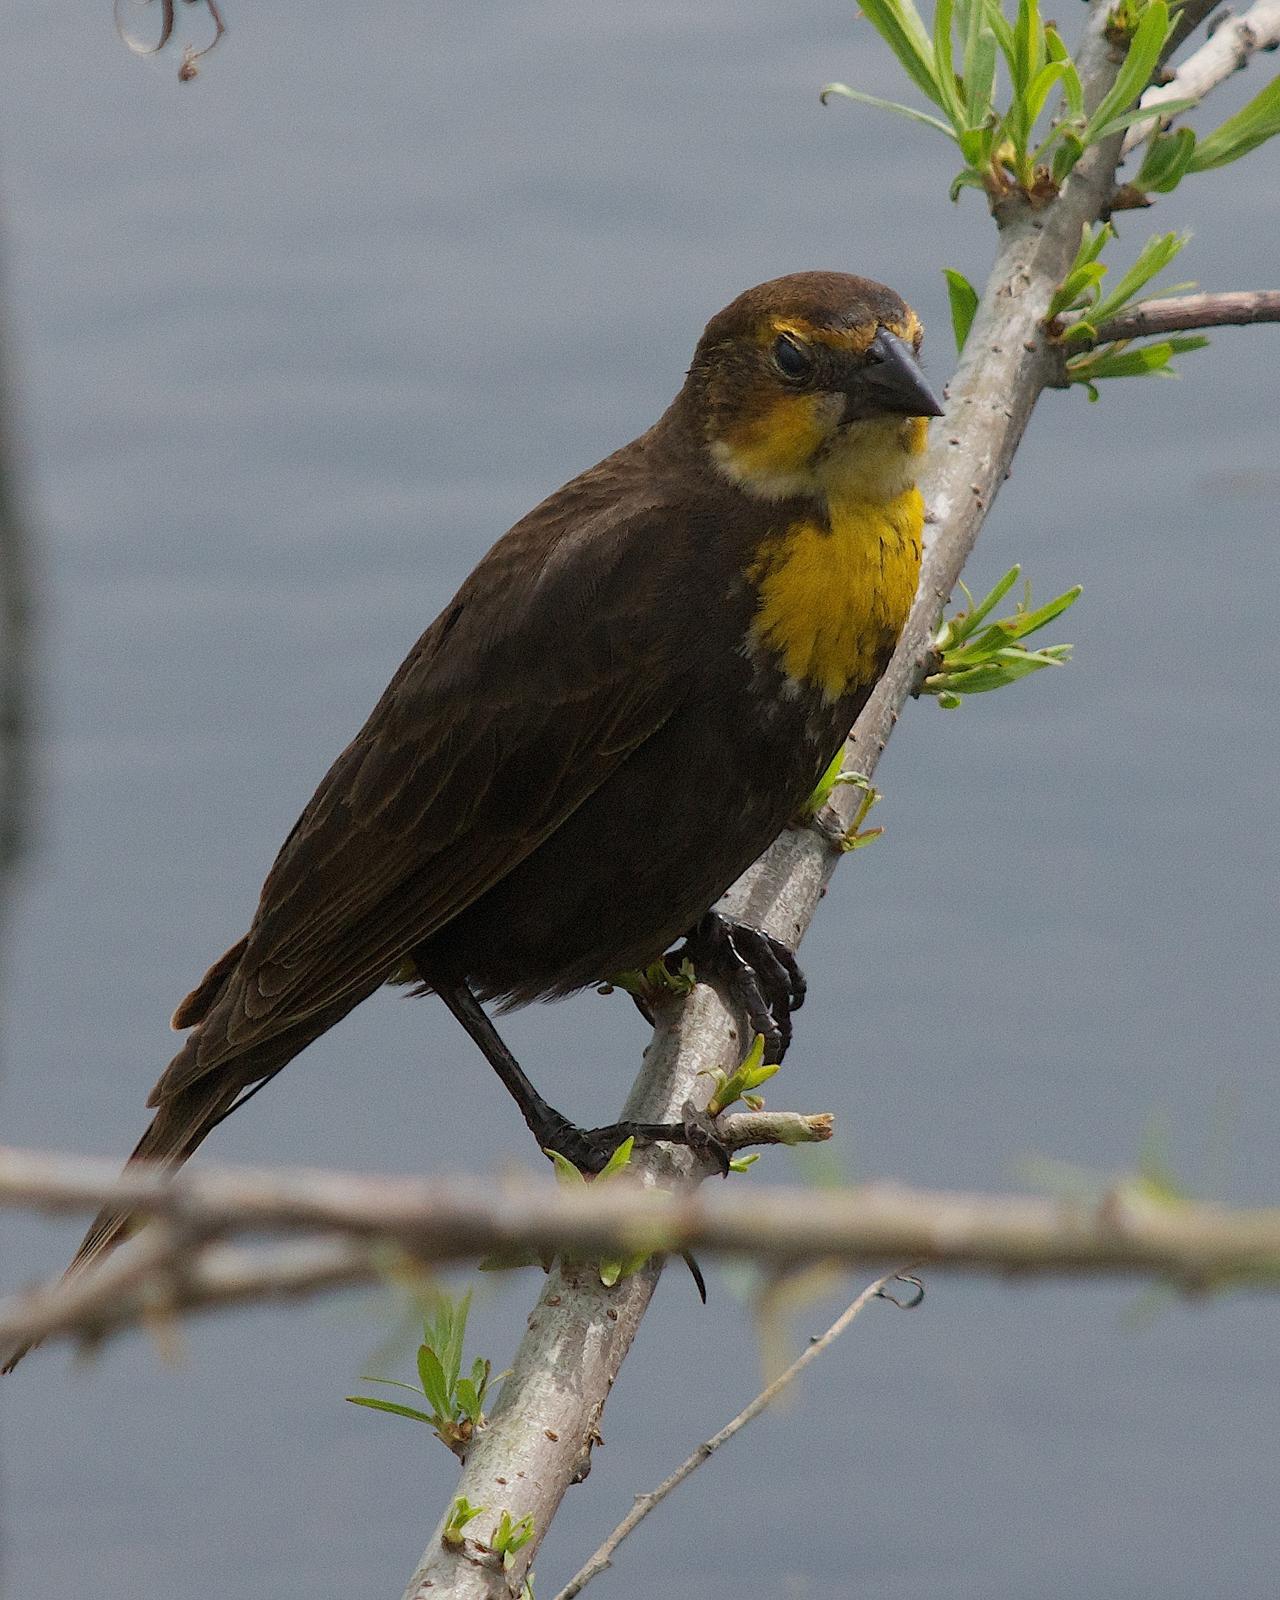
(833, 592)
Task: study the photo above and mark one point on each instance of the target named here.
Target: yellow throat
(834, 592)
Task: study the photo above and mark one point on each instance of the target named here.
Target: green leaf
(825, 786)
(1040, 88)
(944, 72)
(1072, 89)
(1124, 119)
(1136, 70)
(566, 1172)
(618, 1160)
(968, 179)
(1028, 45)
(1002, 30)
(1166, 160)
(999, 674)
(1137, 361)
(1153, 258)
(391, 1383)
(1093, 244)
(845, 92)
(390, 1405)
(992, 643)
(468, 1400)
(979, 64)
(964, 303)
(1253, 125)
(900, 26)
(434, 1386)
(1070, 149)
(956, 629)
(451, 1356)
(977, 145)
(749, 1075)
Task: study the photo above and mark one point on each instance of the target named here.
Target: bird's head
(811, 384)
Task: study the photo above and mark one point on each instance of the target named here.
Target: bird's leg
(759, 972)
(588, 1149)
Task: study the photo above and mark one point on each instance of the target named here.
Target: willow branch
(645, 1503)
(1229, 49)
(577, 1339)
(166, 1274)
(1236, 308)
(371, 1228)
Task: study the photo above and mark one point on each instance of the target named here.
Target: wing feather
(556, 661)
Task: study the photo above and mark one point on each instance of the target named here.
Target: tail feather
(176, 1129)
(186, 1115)
(197, 1005)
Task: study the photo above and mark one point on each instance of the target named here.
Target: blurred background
(289, 347)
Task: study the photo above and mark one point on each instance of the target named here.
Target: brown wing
(554, 662)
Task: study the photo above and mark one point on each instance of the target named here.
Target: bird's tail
(176, 1129)
(193, 1097)
(184, 1117)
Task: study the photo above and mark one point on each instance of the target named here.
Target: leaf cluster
(1083, 304)
(739, 1084)
(456, 1402)
(508, 1537)
(652, 982)
(994, 98)
(974, 659)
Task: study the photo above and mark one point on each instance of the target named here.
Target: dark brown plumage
(590, 743)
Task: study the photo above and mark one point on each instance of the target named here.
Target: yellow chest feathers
(833, 599)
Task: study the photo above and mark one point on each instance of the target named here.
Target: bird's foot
(760, 973)
(590, 1149)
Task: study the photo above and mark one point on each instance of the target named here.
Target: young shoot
(456, 1401)
(1008, 90)
(975, 659)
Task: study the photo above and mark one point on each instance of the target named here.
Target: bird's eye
(791, 358)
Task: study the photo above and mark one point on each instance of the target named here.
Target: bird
(624, 704)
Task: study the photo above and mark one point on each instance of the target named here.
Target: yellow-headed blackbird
(621, 707)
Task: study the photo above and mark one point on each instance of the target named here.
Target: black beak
(892, 379)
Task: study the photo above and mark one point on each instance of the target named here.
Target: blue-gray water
(294, 344)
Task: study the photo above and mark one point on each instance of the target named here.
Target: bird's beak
(894, 378)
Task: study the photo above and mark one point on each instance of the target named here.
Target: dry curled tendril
(168, 10)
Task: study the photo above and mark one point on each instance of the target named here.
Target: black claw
(759, 971)
(695, 1272)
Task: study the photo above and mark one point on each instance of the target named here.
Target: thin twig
(1234, 308)
(1225, 52)
(645, 1503)
(190, 54)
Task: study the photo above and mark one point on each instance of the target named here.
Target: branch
(1237, 308)
(539, 1440)
(163, 1275)
(372, 1227)
(603, 1557)
(1226, 51)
